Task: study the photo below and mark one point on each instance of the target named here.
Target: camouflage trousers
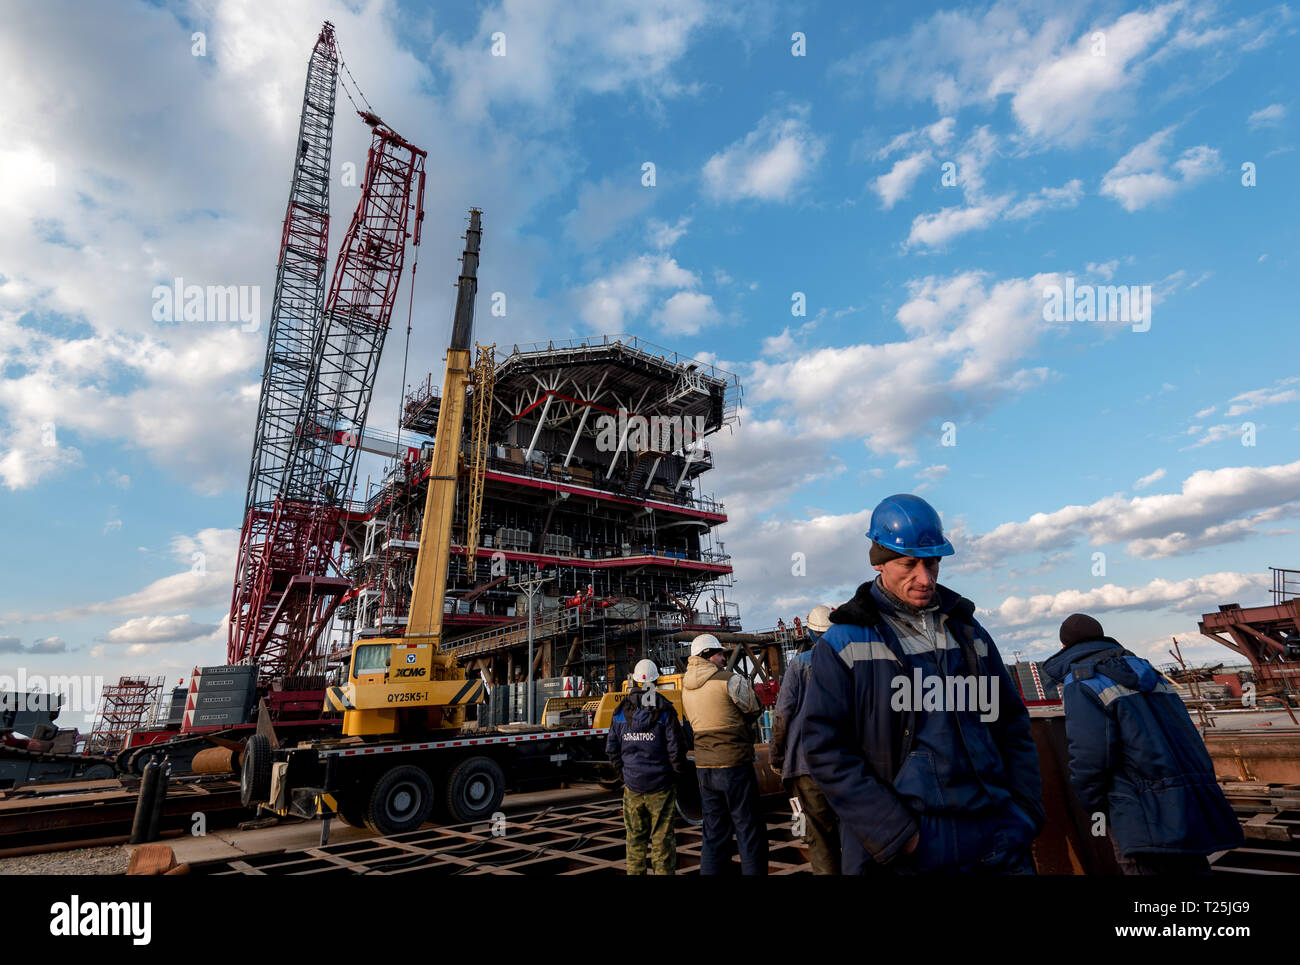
(648, 819)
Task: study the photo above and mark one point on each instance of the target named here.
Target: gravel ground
(83, 861)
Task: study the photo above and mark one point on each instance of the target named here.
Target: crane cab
(395, 685)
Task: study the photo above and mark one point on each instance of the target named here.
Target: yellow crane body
(400, 684)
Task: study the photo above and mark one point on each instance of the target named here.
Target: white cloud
(935, 230)
(760, 464)
(626, 292)
(939, 134)
(1270, 116)
(788, 342)
(1140, 177)
(1184, 596)
(1233, 531)
(1214, 506)
(894, 185)
(1044, 59)
(1105, 269)
(556, 53)
(1067, 195)
(965, 338)
(158, 629)
(771, 163)
(1216, 433)
(930, 475)
(686, 313)
(66, 391)
(604, 206)
(1148, 479)
(208, 561)
(1276, 394)
(663, 236)
(1060, 99)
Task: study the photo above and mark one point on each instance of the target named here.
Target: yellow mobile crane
(400, 685)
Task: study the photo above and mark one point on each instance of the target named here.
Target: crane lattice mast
(294, 330)
(290, 579)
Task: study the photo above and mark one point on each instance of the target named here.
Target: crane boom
(404, 683)
(428, 591)
(293, 333)
(289, 580)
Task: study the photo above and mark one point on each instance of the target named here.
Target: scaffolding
(123, 707)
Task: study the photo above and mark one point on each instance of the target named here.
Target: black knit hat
(881, 554)
(1078, 627)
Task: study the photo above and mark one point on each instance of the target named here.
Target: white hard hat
(704, 643)
(644, 672)
(819, 618)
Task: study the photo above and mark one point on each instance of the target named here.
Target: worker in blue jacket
(1136, 756)
(648, 750)
(912, 726)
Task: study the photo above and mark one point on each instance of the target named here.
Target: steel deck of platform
(570, 840)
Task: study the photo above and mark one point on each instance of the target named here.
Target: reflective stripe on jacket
(1136, 756)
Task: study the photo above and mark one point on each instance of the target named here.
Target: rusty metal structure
(1267, 636)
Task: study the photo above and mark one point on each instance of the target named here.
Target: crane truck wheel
(400, 801)
(475, 788)
(689, 806)
(255, 772)
(352, 813)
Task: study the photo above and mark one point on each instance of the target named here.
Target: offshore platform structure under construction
(583, 464)
(323, 350)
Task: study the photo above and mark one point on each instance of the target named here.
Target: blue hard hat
(908, 525)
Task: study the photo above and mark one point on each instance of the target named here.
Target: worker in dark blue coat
(648, 750)
(912, 726)
(1136, 756)
(815, 818)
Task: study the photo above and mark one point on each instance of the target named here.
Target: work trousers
(821, 827)
(971, 844)
(729, 799)
(648, 819)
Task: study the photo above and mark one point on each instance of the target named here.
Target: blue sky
(1102, 142)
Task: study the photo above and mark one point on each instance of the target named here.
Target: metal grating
(572, 840)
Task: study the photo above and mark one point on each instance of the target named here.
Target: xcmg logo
(409, 672)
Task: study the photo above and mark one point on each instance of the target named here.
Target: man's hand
(911, 845)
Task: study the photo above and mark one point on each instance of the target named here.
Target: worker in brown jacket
(721, 708)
